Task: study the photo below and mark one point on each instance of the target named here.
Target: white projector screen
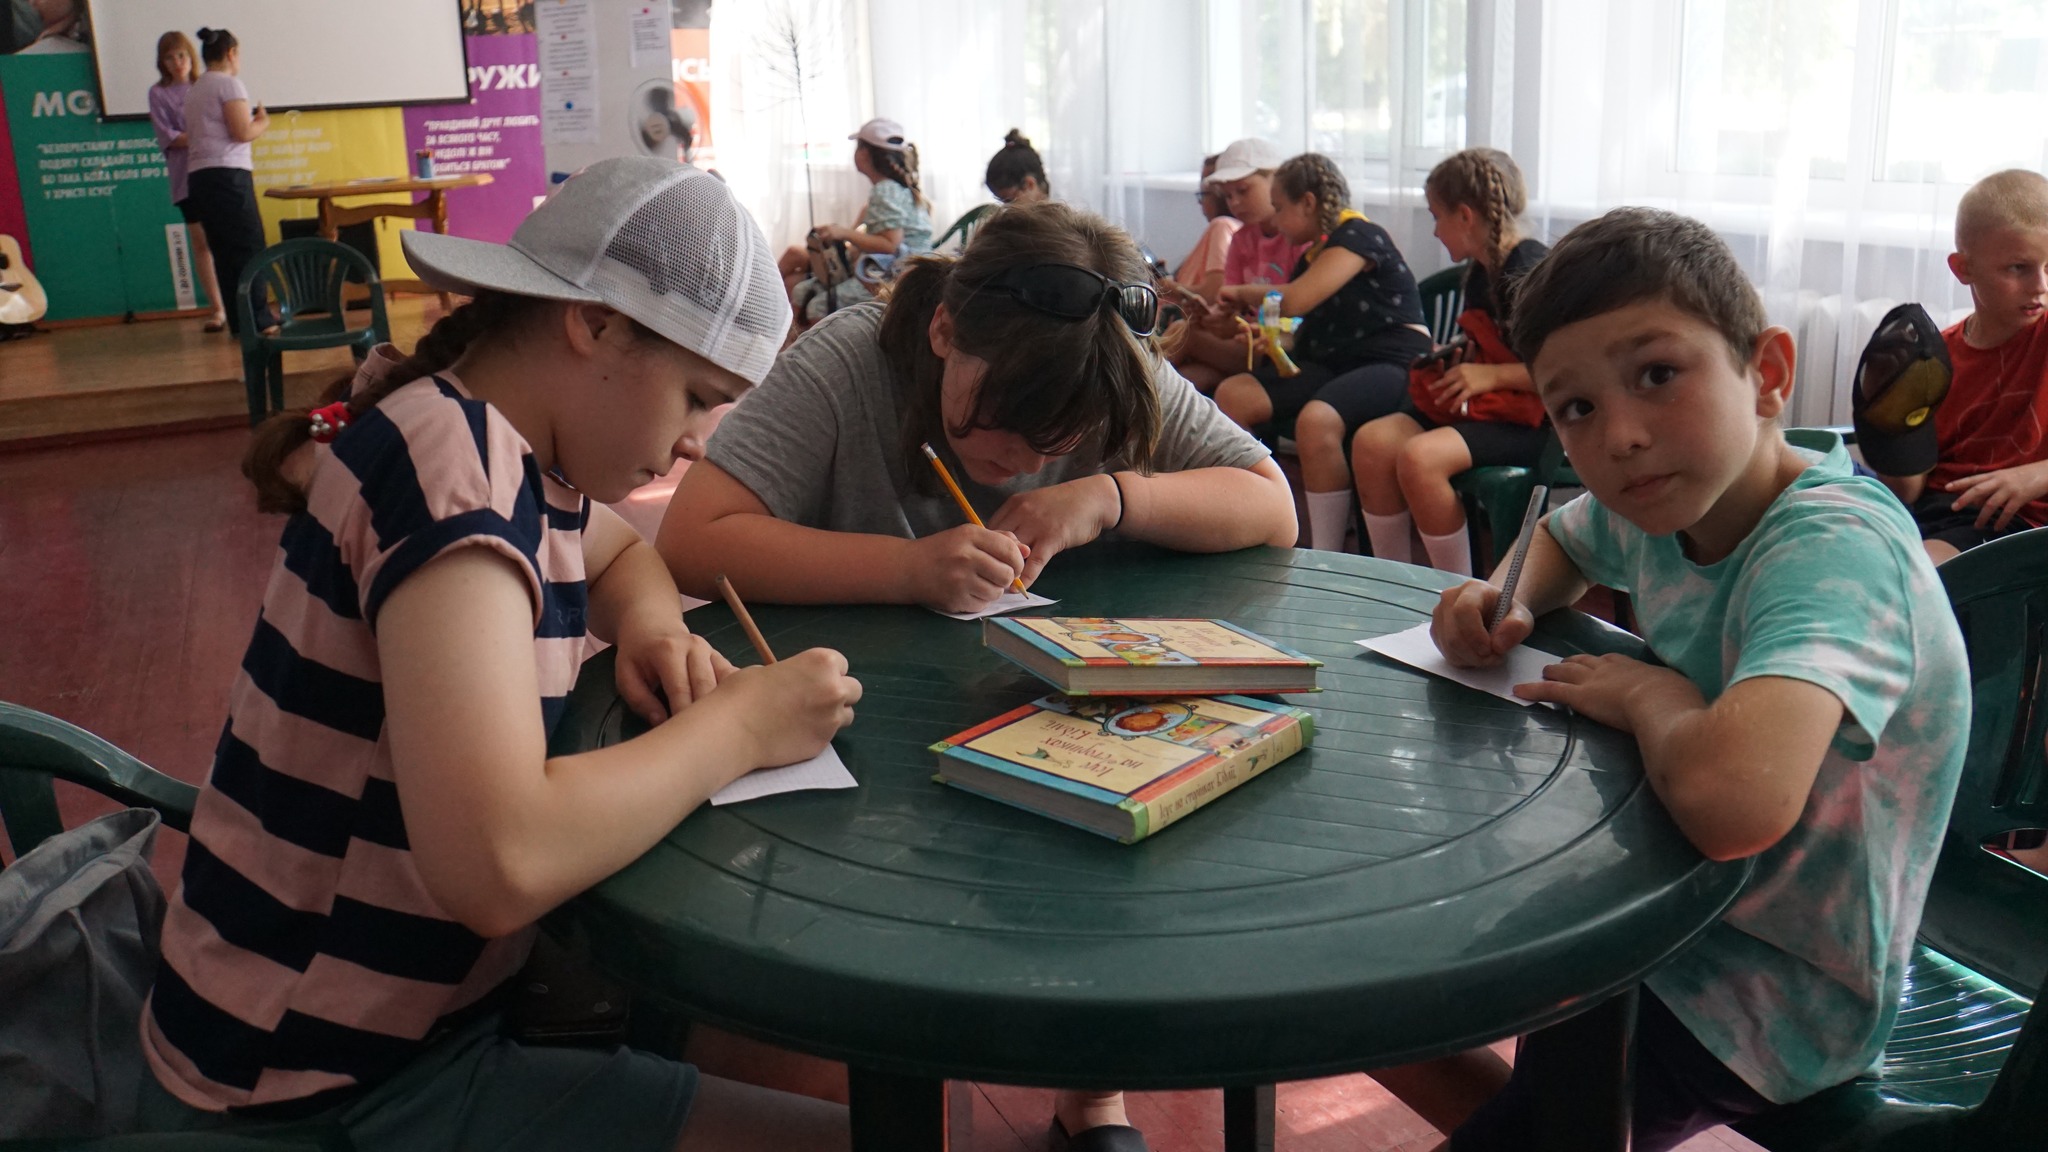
(296, 54)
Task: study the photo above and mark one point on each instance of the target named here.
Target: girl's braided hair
(489, 314)
(1313, 173)
(898, 166)
(1489, 182)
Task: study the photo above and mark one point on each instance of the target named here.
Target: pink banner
(497, 133)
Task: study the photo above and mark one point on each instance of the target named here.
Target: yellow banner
(329, 148)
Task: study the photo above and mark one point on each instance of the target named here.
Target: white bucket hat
(1244, 157)
(662, 242)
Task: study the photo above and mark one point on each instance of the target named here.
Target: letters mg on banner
(95, 197)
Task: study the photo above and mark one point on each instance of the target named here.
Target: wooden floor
(133, 571)
(104, 378)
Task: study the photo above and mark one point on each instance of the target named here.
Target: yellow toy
(1272, 325)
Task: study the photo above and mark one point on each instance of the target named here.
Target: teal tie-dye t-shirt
(1797, 986)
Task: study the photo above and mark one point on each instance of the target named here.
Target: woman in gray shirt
(1028, 365)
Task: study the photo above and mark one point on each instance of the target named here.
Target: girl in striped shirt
(382, 825)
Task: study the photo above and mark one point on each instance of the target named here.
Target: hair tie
(328, 422)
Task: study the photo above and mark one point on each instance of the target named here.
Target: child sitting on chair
(897, 220)
(1811, 709)
(1212, 346)
(1479, 411)
(1989, 465)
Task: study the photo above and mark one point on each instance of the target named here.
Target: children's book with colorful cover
(1099, 656)
(1122, 768)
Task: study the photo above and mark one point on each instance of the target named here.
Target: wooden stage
(101, 380)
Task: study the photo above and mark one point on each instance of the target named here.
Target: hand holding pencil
(960, 498)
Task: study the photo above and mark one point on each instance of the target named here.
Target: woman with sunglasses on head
(1028, 365)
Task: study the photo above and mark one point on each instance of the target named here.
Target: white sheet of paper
(1415, 649)
(825, 770)
(1007, 602)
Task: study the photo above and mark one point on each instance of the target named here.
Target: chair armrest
(33, 742)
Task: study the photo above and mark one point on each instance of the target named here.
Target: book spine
(1221, 775)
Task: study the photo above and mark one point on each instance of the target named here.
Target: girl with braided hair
(1470, 404)
(1359, 311)
(382, 825)
(896, 222)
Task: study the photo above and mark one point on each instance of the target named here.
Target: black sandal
(1101, 1138)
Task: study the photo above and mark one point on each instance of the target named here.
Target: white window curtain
(1827, 140)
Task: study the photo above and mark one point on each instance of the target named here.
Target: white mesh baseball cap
(662, 242)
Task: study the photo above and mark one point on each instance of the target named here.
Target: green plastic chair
(36, 749)
(964, 227)
(1443, 297)
(1500, 493)
(302, 282)
(1967, 1063)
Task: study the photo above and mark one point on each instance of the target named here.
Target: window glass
(1766, 84)
(1968, 81)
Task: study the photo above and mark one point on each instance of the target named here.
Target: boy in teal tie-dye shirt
(1814, 702)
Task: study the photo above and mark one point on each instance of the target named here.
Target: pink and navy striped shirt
(302, 956)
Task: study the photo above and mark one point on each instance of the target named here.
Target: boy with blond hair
(1991, 433)
(1810, 711)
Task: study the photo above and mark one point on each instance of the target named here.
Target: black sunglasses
(1072, 292)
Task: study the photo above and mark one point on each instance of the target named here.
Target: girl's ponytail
(279, 438)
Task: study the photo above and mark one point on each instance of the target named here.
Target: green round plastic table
(1441, 869)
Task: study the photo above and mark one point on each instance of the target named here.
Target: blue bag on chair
(80, 917)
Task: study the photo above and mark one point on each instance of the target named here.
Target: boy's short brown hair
(2014, 198)
(1629, 256)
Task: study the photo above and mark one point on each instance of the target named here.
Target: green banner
(96, 195)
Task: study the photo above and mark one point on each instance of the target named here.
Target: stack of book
(1149, 723)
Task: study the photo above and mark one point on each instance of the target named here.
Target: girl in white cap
(897, 221)
(382, 824)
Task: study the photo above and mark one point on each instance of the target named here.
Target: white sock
(1389, 536)
(1452, 553)
(1329, 514)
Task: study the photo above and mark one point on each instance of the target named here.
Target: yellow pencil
(960, 497)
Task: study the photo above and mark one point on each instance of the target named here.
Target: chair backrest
(964, 227)
(1983, 909)
(306, 275)
(34, 748)
(1443, 297)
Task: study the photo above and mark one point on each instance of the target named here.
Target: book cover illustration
(1119, 746)
(1149, 643)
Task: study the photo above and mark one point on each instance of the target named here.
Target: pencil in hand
(960, 498)
(739, 611)
(1527, 536)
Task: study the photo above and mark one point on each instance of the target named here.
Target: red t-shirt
(1996, 412)
(1257, 258)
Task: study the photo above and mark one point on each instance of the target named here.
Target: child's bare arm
(500, 832)
(1549, 581)
(1735, 773)
(1906, 488)
(716, 524)
(1210, 509)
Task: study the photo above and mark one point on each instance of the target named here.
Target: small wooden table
(334, 217)
(1440, 870)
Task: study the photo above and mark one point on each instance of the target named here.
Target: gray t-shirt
(819, 442)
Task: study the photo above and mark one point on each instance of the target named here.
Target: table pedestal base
(1583, 1077)
(1248, 1119)
(896, 1113)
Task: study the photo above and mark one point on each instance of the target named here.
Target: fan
(659, 124)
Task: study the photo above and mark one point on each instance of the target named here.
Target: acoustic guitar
(22, 301)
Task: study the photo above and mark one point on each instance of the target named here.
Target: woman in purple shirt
(176, 60)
